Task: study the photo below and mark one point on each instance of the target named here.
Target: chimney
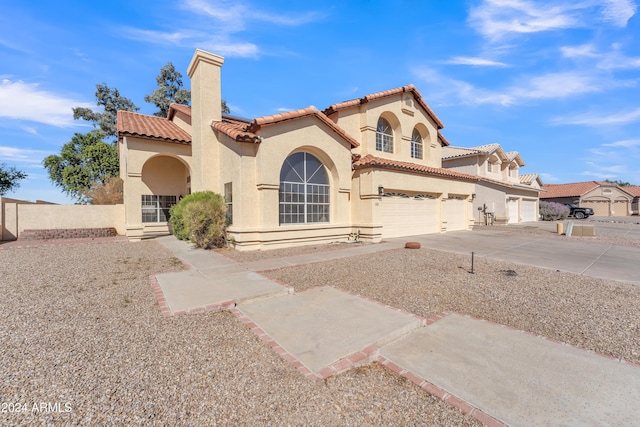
(206, 99)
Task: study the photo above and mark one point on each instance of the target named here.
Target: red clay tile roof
(178, 107)
(236, 130)
(409, 88)
(144, 126)
(247, 131)
(574, 189)
(370, 161)
(634, 190)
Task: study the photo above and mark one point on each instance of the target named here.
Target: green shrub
(551, 211)
(200, 218)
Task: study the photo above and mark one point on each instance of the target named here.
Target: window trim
(417, 145)
(384, 136)
(300, 194)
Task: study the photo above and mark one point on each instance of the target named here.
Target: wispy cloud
(21, 155)
(475, 61)
(23, 101)
(625, 143)
(216, 24)
(600, 119)
(546, 86)
(582, 51)
(497, 19)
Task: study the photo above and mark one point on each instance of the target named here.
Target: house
(370, 166)
(605, 198)
(635, 203)
(502, 195)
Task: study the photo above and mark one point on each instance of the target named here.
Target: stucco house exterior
(502, 195)
(605, 198)
(635, 203)
(371, 166)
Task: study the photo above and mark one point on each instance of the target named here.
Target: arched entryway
(165, 180)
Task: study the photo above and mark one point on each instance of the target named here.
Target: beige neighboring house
(502, 195)
(635, 203)
(370, 166)
(605, 198)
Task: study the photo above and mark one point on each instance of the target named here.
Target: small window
(228, 200)
(384, 136)
(156, 208)
(416, 145)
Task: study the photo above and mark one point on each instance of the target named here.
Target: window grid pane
(416, 145)
(307, 200)
(156, 208)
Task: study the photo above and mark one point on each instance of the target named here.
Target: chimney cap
(203, 56)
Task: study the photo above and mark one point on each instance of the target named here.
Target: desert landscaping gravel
(83, 343)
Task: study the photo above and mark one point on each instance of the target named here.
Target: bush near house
(200, 218)
(551, 211)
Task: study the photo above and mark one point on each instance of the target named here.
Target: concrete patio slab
(186, 290)
(518, 378)
(324, 325)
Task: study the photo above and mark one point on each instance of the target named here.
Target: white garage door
(529, 211)
(455, 214)
(513, 211)
(404, 215)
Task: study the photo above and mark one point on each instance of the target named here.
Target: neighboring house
(370, 166)
(635, 203)
(502, 195)
(605, 198)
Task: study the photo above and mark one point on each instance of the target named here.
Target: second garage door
(529, 211)
(455, 214)
(406, 215)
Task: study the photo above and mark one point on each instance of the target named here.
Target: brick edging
(465, 407)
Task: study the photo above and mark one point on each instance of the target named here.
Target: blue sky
(557, 81)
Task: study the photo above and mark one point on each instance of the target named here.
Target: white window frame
(304, 202)
(156, 208)
(384, 136)
(417, 145)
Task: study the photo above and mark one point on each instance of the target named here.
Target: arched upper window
(384, 136)
(304, 190)
(416, 145)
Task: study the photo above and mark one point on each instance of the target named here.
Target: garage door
(406, 215)
(455, 213)
(621, 208)
(529, 211)
(600, 207)
(512, 204)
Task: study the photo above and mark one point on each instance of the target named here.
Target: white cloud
(21, 155)
(585, 50)
(497, 19)
(212, 25)
(22, 101)
(618, 12)
(625, 143)
(558, 85)
(600, 119)
(468, 60)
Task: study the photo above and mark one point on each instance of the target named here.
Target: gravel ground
(590, 313)
(250, 256)
(81, 331)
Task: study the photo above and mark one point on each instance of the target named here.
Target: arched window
(304, 190)
(384, 136)
(416, 145)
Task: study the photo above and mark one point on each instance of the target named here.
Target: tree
(83, 161)
(109, 193)
(619, 182)
(111, 101)
(169, 90)
(10, 178)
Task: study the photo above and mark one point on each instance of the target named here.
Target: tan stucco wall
(151, 167)
(9, 217)
(361, 122)
(254, 171)
(42, 217)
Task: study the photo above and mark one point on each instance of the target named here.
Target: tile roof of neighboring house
(514, 155)
(174, 107)
(377, 162)
(144, 126)
(528, 178)
(246, 131)
(574, 189)
(409, 88)
(453, 152)
(510, 184)
(634, 190)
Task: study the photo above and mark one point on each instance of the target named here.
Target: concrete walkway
(498, 375)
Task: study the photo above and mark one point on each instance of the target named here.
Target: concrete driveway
(538, 245)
